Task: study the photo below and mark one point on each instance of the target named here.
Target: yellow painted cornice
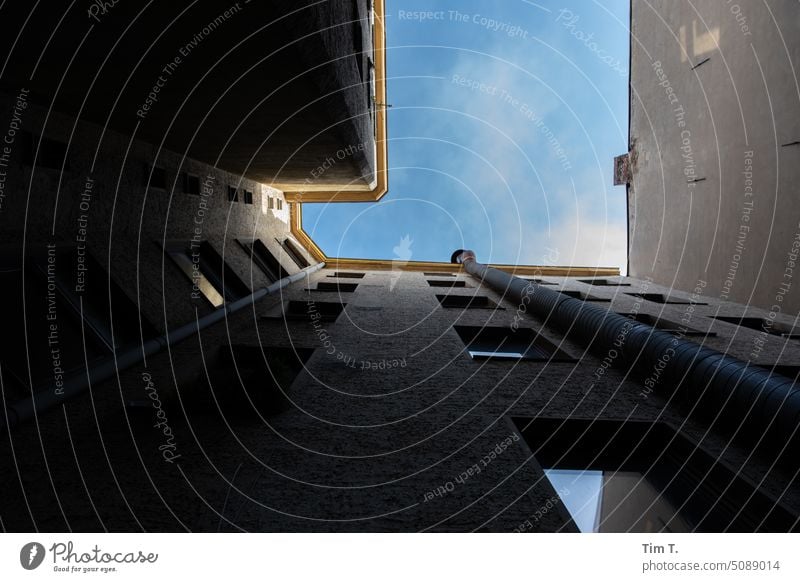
(296, 224)
(349, 192)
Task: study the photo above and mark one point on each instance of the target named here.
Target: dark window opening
(786, 371)
(264, 259)
(294, 252)
(439, 274)
(343, 275)
(447, 283)
(669, 326)
(467, 302)
(248, 197)
(616, 476)
(761, 324)
(335, 287)
(233, 194)
(52, 154)
(583, 296)
(661, 298)
(539, 281)
(191, 184)
(503, 343)
(157, 177)
(603, 283)
(212, 276)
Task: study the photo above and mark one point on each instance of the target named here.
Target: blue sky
(506, 117)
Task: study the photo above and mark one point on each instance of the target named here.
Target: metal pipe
(736, 391)
(80, 381)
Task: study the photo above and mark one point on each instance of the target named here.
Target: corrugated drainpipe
(80, 381)
(767, 404)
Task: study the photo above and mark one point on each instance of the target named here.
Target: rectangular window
(631, 476)
(191, 183)
(503, 343)
(539, 281)
(439, 274)
(603, 283)
(664, 299)
(264, 259)
(666, 325)
(207, 270)
(294, 252)
(271, 203)
(327, 311)
(336, 287)
(467, 302)
(155, 177)
(435, 283)
(280, 204)
(51, 154)
(345, 275)
(233, 194)
(760, 324)
(583, 296)
(248, 197)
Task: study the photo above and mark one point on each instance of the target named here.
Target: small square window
(467, 302)
(248, 197)
(157, 177)
(191, 183)
(503, 343)
(52, 154)
(447, 283)
(233, 194)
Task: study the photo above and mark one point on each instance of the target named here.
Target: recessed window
(761, 324)
(666, 325)
(271, 203)
(233, 194)
(191, 183)
(326, 311)
(294, 252)
(210, 274)
(447, 283)
(467, 302)
(664, 299)
(539, 281)
(51, 154)
(264, 259)
(248, 197)
(157, 177)
(604, 283)
(439, 274)
(503, 343)
(336, 287)
(280, 204)
(790, 372)
(629, 476)
(347, 275)
(584, 296)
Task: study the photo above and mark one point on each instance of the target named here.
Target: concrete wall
(715, 98)
(388, 409)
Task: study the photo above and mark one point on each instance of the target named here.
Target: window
(191, 183)
(210, 275)
(661, 298)
(51, 154)
(271, 203)
(583, 296)
(502, 343)
(280, 204)
(665, 325)
(439, 274)
(343, 275)
(90, 312)
(615, 476)
(603, 283)
(336, 287)
(294, 252)
(265, 260)
(760, 324)
(248, 197)
(447, 283)
(790, 372)
(251, 381)
(467, 302)
(157, 177)
(539, 281)
(326, 311)
(233, 194)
